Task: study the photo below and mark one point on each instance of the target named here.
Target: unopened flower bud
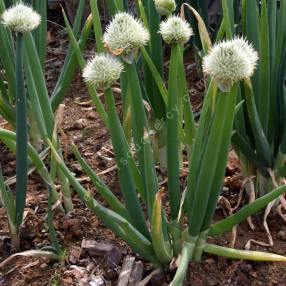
(175, 30)
(165, 7)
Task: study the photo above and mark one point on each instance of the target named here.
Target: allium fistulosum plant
(34, 115)
(20, 19)
(260, 134)
(160, 234)
(40, 107)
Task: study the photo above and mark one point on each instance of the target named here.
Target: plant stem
(183, 266)
(173, 134)
(125, 176)
(21, 134)
(242, 254)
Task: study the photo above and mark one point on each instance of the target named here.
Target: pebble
(91, 115)
(44, 266)
(281, 235)
(80, 124)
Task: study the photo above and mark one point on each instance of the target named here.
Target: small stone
(96, 281)
(113, 257)
(102, 162)
(210, 261)
(44, 266)
(80, 124)
(281, 235)
(76, 168)
(91, 115)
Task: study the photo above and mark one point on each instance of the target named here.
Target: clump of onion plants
(259, 136)
(32, 116)
(159, 234)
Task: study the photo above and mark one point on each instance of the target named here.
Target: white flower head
(125, 34)
(21, 18)
(165, 7)
(175, 30)
(102, 71)
(248, 49)
(229, 62)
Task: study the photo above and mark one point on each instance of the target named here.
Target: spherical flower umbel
(229, 62)
(248, 49)
(175, 30)
(102, 71)
(21, 18)
(125, 34)
(165, 7)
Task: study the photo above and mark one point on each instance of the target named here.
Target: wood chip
(126, 270)
(136, 274)
(95, 248)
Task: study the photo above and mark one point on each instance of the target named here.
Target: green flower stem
(226, 129)
(140, 128)
(173, 134)
(242, 254)
(21, 135)
(125, 176)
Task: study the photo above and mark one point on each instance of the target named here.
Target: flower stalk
(21, 135)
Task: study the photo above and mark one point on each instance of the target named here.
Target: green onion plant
(260, 124)
(24, 98)
(156, 231)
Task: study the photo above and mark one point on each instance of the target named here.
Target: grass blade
(97, 25)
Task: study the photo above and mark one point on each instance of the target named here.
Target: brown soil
(93, 142)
